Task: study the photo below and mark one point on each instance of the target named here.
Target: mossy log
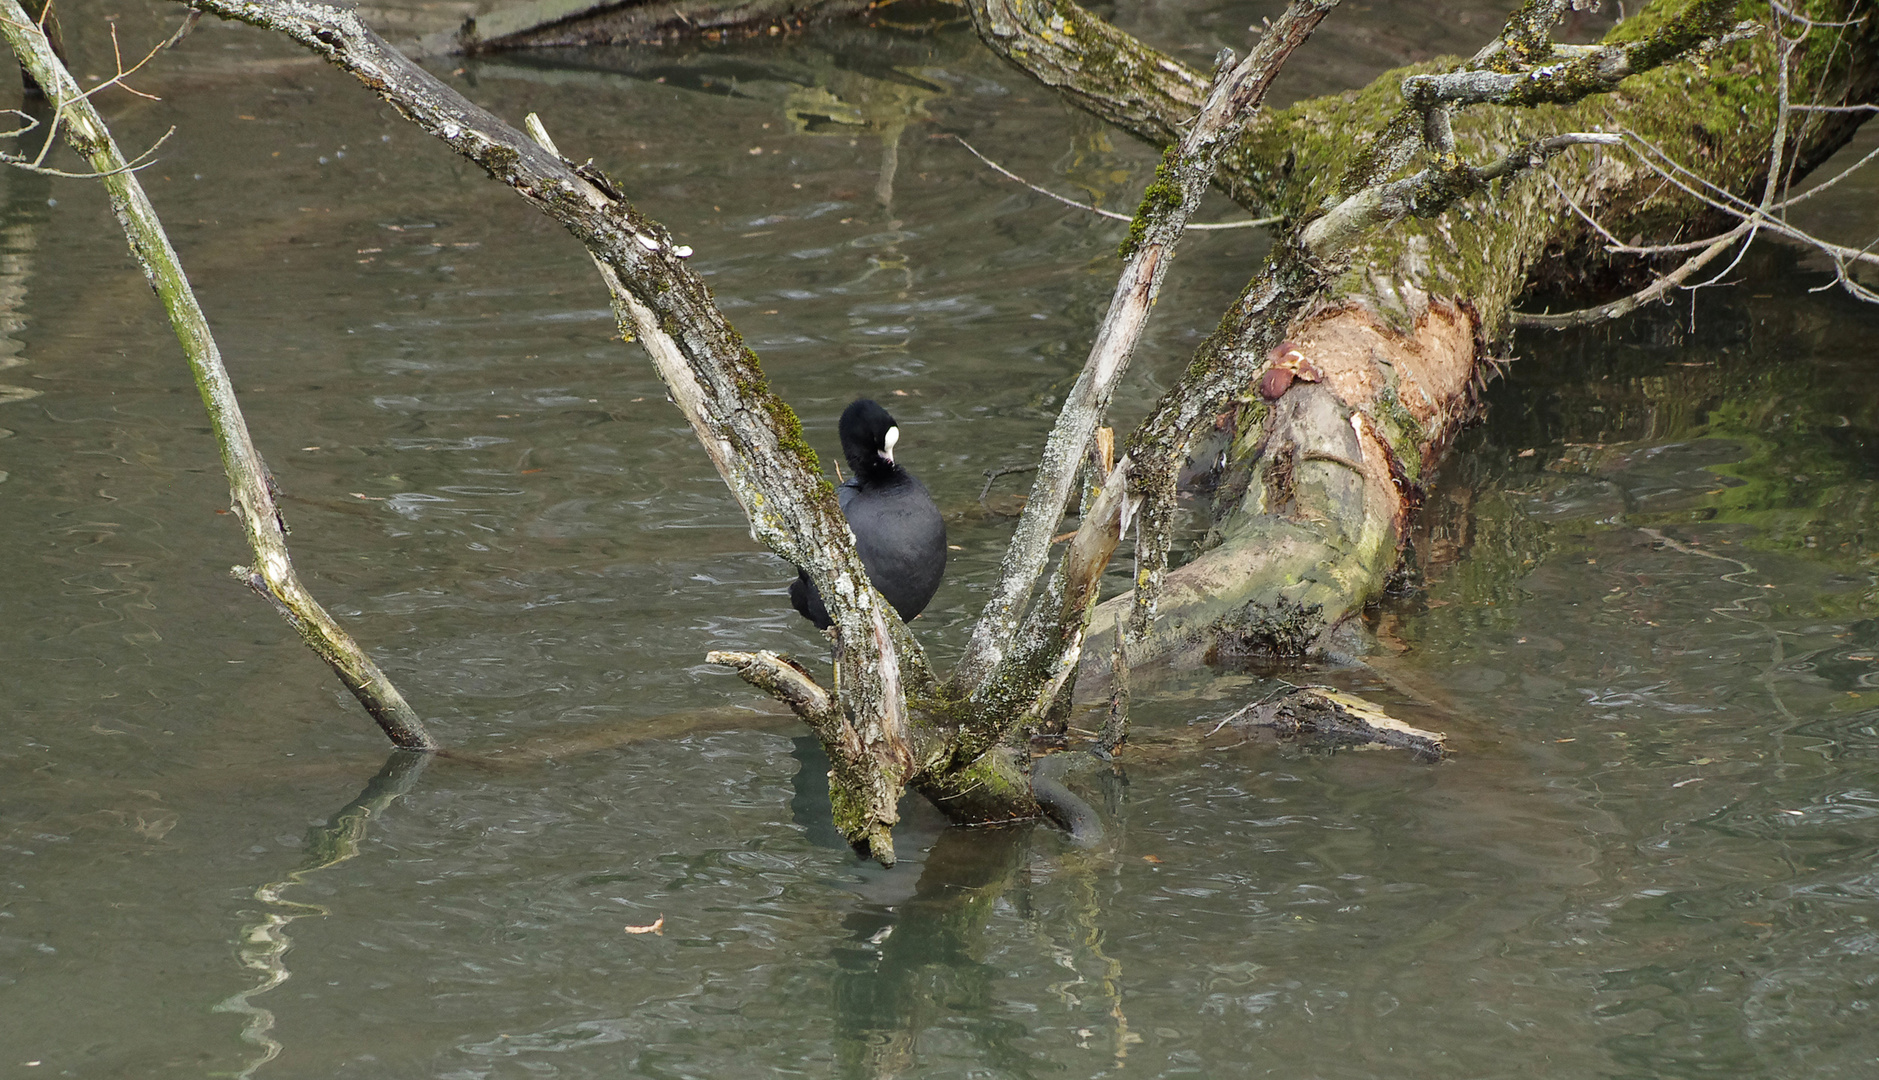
(1318, 483)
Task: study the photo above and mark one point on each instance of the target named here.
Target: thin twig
(136, 164)
(992, 475)
(1753, 219)
(1621, 307)
(1110, 214)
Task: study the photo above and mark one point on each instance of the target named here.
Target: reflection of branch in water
(890, 165)
(851, 105)
(23, 218)
(921, 971)
(264, 944)
(1087, 916)
(1738, 611)
(763, 715)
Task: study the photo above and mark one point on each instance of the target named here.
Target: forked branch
(751, 435)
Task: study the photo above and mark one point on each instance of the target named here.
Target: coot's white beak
(887, 450)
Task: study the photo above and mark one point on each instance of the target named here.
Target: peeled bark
(1410, 321)
(1315, 499)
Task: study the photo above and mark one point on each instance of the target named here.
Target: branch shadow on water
(265, 941)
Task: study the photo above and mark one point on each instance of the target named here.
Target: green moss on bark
(1716, 116)
(1162, 195)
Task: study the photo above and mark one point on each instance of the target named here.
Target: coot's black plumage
(898, 530)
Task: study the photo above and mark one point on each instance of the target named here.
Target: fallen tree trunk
(1317, 483)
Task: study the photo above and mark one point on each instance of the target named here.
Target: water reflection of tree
(911, 962)
(265, 942)
(1789, 450)
(921, 969)
(25, 216)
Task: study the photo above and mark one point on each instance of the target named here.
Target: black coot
(898, 530)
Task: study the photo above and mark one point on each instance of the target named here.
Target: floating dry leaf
(657, 926)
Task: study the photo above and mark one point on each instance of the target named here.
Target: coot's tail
(806, 600)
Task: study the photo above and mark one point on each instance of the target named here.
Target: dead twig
(1110, 214)
(1753, 219)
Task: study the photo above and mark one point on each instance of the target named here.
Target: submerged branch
(1332, 718)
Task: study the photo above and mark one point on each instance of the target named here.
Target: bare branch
(1592, 71)
(1372, 201)
(250, 485)
(1794, 16)
(1617, 309)
(1753, 219)
(135, 164)
(751, 435)
(1110, 214)
(1871, 156)
(1051, 642)
(1170, 200)
(783, 678)
(1430, 192)
(1572, 74)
